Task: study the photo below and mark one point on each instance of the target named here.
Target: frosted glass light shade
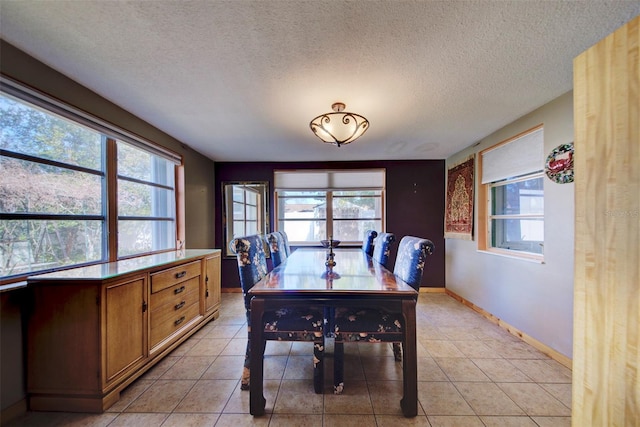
(339, 127)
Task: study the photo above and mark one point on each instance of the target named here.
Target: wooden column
(606, 390)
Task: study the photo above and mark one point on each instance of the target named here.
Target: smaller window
(245, 210)
(511, 218)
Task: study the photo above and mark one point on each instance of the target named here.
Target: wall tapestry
(459, 204)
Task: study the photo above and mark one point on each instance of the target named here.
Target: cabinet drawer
(174, 294)
(172, 276)
(173, 309)
(164, 327)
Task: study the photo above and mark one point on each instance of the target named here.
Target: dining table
(340, 277)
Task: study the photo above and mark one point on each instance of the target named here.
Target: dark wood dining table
(356, 280)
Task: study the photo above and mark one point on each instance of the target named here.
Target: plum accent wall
(414, 204)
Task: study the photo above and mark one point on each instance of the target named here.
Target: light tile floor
(470, 373)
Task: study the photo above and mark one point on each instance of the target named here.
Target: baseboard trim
(558, 357)
(433, 290)
(13, 412)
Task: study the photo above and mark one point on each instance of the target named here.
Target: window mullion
(245, 207)
(111, 196)
(329, 214)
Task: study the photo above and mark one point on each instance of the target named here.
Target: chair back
(412, 254)
(252, 263)
(367, 243)
(382, 248)
(277, 246)
(286, 241)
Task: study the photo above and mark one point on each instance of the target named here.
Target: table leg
(257, 401)
(409, 402)
(338, 367)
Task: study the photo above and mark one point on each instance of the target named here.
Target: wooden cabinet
(124, 326)
(94, 330)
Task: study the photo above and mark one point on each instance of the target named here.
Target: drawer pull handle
(179, 306)
(180, 320)
(179, 290)
(181, 274)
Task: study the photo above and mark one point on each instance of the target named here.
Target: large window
(316, 205)
(512, 187)
(60, 185)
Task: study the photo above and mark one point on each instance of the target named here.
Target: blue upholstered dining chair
(382, 248)
(284, 324)
(354, 324)
(367, 243)
(286, 241)
(277, 246)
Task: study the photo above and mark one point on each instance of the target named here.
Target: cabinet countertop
(111, 270)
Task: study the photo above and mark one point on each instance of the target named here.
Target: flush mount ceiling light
(339, 127)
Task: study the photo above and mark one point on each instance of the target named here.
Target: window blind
(520, 156)
(362, 179)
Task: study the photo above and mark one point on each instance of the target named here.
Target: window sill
(13, 286)
(527, 258)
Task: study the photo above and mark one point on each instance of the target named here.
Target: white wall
(535, 298)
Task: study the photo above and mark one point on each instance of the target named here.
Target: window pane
(252, 198)
(239, 229)
(28, 187)
(518, 234)
(238, 211)
(356, 207)
(518, 198)
(302, 215)
(252, 228)
(353, 230)
(139, 164)
(136, 199)
(303, 206)
(27, 129)
(252, 213)
(34, 245)
(238, 194)
(136, 237)
(304, 230)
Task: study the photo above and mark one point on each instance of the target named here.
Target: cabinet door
(212, 282)
(125, 326)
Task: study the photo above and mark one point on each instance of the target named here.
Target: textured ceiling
(240, 80)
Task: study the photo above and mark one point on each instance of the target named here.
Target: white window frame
(516, 159)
